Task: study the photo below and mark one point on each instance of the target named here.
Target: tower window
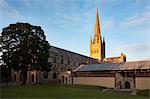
(62, 61)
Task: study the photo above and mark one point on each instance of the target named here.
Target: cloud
(108, 23)
(134, 48)
(137, 19)
(138, 48)
(8, 11)
(139, 51)
(73, 16)
(26, 2)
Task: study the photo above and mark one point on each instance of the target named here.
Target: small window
(32, 78)
(62, 61)
(68, 62)
(15, 78)
(124, 59)
(54, 60)
(45, 75)
(54, 75)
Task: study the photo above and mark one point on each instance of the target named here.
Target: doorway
(127, 85)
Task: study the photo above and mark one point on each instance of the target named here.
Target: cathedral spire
(97, 46)
(91, 39)
(97, 25)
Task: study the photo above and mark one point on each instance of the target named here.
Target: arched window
(45, 75)
(32, 78)
(63, 79)
(54, 60)
(127, 85)
(68, 62)
(62, 60)
(54, 75)
(124, 59)
(15, 78)
(66, 80)
(120, 85)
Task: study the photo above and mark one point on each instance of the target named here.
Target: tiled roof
(115, 66)
(60, 49)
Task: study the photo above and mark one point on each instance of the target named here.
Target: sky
(68, 24)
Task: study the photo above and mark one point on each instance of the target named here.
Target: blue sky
(68, 24)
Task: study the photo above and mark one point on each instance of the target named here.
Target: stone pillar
(35, 77)
(115, 87)
(49, 77)
(38, 77)
(19, 78)
(28, 77)
(134, 81)
(41, 76)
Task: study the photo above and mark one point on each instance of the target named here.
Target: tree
(24, 48)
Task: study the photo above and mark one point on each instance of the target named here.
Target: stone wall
(98, 81)
(122, 81)
(142, 83)
(62, 61)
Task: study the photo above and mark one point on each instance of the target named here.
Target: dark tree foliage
(24, 48)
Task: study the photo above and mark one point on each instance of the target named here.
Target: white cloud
(137, 19)
(26, 3)
(138, 48)
(139, 51)
(108, 23)
(8, 11)
(73, 16)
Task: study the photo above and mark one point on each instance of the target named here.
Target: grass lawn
(63, 91)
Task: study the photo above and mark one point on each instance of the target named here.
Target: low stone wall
(142, 83)
(98, 81)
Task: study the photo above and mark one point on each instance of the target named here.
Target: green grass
(145, 93)
(63, 91)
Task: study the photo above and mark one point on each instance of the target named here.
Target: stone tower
(97, 45)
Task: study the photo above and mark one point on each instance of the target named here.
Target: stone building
(121, 58)
(125, 75)
(62, 63)
(97, 46)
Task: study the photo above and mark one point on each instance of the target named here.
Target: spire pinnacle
(96, 11)
(91, 39)
(103, 39)
(97, 25)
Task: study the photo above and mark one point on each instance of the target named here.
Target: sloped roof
(115, 66)
(57, 49)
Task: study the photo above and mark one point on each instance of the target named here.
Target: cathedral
(111, 72)
(97, 46)
(72, 68)
(63, 62)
